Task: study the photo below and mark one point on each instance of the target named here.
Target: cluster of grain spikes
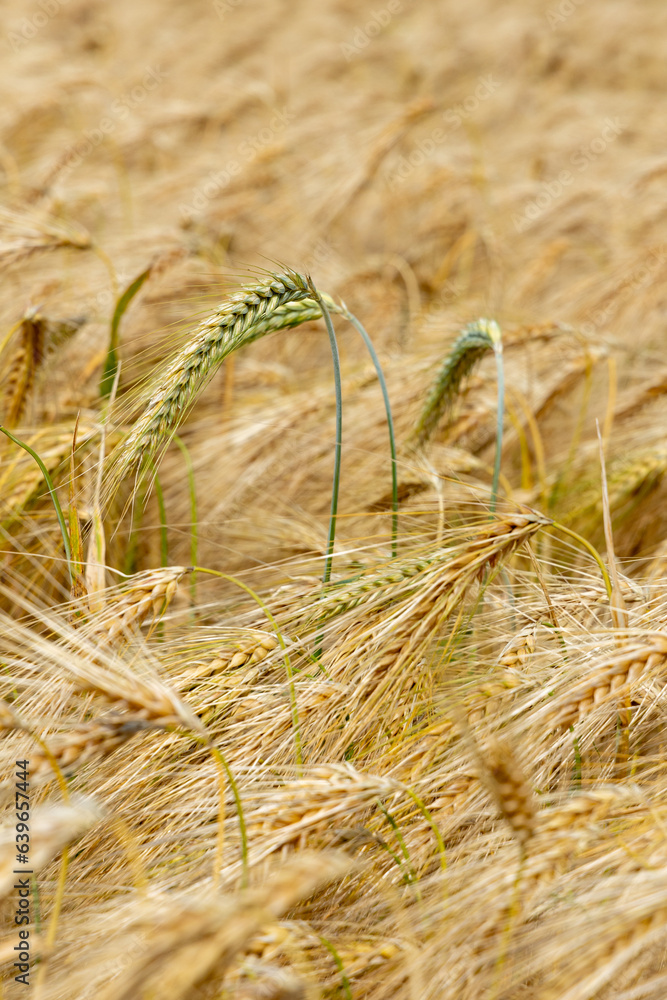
(610, 683)
(385, 659)
(88, 741)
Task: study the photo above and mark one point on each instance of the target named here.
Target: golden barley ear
(37, 337)
(505, 780)
(87, 741)
(142, 596)
(193, 940)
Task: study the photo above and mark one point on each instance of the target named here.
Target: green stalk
(390, 422)
(326, 575)
(434, 827)
(593, 551)
(339, 433)
(111, 362)
(345, 982)
(411, 875)
(54, 497)
(162, 513)
(500, 415)
(220, 757)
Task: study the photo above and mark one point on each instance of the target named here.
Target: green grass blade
(345, 982)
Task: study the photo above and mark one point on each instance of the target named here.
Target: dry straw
(87, 741)
(194, 940)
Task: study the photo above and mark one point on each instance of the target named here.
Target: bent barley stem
(335, 489)
(344, 311)
(593, 551)
(284, 301)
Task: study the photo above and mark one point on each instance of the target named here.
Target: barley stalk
(246, 653)
(142, 595)
(387, 650)
(483, 546)
(313, 803)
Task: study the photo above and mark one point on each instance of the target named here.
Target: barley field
(333, 556)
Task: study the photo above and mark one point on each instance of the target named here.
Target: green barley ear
(282, 302)
(469, 347)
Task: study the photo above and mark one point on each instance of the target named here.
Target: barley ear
(284, 301)
(505, 780)
(469, 347)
